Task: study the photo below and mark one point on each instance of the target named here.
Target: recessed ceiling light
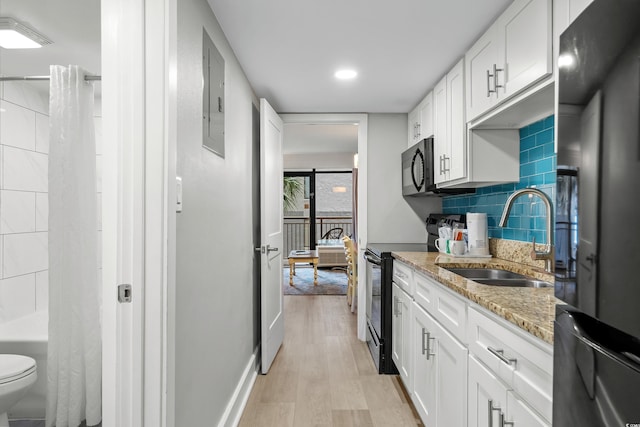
(345, 74)
(14, 35)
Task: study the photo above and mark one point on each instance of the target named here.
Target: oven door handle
(372, 260)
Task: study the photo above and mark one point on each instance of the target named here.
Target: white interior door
(271, 172)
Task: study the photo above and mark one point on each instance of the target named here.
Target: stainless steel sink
(497, 277)
(486, 273)
(517, 283)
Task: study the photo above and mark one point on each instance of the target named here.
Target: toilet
(17, 375)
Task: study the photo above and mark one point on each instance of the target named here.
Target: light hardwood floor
(324, 376)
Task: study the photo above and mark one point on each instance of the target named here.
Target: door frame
(362, 121)
(138, 46)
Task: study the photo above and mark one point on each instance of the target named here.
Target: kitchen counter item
(532, 309)
(478, 233)
(437, 220)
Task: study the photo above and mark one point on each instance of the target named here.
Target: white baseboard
(237, 403)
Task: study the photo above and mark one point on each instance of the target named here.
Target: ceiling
(72, 25)
(289, 49)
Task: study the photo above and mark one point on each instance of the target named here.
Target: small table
(303, 256)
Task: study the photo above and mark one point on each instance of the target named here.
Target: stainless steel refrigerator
(597, 336)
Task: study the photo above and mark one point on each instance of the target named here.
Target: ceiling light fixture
(345, 74)
(14, 35)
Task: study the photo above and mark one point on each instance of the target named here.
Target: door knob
(270, 249)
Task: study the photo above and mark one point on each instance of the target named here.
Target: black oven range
(379, 300)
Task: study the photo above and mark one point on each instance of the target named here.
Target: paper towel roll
(478, 234)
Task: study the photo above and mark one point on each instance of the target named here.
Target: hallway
(324, 376)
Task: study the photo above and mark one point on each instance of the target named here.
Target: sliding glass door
(318, 208)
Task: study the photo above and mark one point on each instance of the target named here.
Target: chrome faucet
(548, 255)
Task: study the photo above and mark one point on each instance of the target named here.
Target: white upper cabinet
(421, 120)
(440, 143)
(525, 48)
(414, 124)
(480, 60)
(456, 164)
(426, 116)
(513, 54)
(565, 12)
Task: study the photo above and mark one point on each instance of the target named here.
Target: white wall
(319, 161)
(214, 305)
(390, 218)
(24, 204)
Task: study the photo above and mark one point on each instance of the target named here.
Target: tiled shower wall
(24, 206)
(537, 169)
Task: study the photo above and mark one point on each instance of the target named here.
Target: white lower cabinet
(401, 338)
(458, 360)
(492, 404)
(439, 373)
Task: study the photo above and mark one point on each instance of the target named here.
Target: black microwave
(417, 172)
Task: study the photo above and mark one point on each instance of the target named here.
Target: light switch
(178, 194)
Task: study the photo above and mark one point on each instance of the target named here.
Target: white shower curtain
(75, 348)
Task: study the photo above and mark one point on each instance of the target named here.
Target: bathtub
(28, 336)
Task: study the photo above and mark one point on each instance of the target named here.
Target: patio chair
(334, 233)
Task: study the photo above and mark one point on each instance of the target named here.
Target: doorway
(360, 218)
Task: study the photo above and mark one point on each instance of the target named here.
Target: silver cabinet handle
(495, 78)
(444, 161)
(504, 423)
(419, 131)
(424, 333)
(429, 354)
(489, 91)
(490, 409)
(441, 162)
(500, 355)
(396, 300)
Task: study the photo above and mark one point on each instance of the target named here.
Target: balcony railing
(296, 230)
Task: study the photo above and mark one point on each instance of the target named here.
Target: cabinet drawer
(425, 292)
(444, 305)
(523, 362)
(403, 277)
(451, 311)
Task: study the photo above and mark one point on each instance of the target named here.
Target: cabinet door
(405, 366)
(485, 391)
(451, 379)
(479, 62)
(413, 120)
(426, 116)
(401, 339)
(440, 136)
(456, 160)
(521, 415)
(396, 326)
(424, 368)
(524, 34)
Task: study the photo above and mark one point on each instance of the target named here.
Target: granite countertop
(532, 309)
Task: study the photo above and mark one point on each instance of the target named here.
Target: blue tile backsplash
(537, 169)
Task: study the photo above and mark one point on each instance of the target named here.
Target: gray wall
(390, 217)
(319, 161)
(214, 295)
